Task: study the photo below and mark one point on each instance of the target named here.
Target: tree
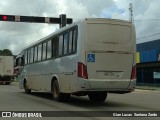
(6, 52)
(1, 52)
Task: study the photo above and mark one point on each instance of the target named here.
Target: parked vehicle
(6, 69)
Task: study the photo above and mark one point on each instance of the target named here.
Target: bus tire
(57, 95)
(97, 96)
(28, 91)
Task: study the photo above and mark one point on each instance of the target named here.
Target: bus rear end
(109, 57)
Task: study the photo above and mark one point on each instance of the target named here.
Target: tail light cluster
(82, 71)
(133, 74)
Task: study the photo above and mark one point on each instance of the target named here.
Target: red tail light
(82, 71)
(133, 74)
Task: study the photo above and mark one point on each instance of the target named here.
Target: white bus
(89, 57)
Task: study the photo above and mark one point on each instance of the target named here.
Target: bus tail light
(133, 74)
(82, 71)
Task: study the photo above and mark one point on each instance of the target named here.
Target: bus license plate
(113, 74)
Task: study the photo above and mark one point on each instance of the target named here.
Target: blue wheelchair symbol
(91, 58)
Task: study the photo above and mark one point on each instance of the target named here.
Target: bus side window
(26, 57)
(55, 48)
(49, 49)
(31, 55)
(40, 52)
(65, 44)
(70, 41)
(60, 46)
(17, 62)
(74, 41)
(22, 61)
(35, 54)
(44, 51)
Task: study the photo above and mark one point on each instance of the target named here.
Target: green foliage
(6, 52)
(1, 52)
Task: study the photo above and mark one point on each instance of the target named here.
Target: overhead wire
(137, 5)
(148, 36)
(140, 5)
(136, 8)
(153, 28)
(146, 31)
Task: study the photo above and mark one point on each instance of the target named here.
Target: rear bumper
(6, 78)
(113, 86)
(7, 75)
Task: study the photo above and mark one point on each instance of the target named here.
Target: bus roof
(71, 25)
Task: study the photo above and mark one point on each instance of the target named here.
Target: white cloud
(115, 12)
(148, 27)
(17, 35)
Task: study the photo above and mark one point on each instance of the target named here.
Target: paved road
(14, 99)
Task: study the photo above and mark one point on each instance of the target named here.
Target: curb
(148, 88)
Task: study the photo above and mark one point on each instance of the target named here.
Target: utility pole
(131, 13)
(63, 20)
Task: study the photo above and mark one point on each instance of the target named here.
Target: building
(148, 63)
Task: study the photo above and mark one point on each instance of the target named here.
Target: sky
(16, 36)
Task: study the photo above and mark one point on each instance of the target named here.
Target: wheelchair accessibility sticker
(91, 58)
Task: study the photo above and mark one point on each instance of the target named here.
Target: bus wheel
(57, 96)
(28, 91)
(97, 96)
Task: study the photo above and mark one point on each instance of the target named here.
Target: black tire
(97, 96)
(28, 91)
(57, 96)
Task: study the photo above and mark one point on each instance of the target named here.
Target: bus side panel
(67, 67)
(40, 74)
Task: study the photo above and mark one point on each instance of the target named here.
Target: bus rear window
(109, 34)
